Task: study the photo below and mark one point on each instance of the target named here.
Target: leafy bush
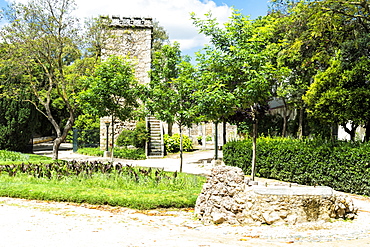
(12, 156)
(88, 131)
(125, 138)
(131, 154)
(122, 153)
(137, 137)
(172, 143)
(343, 166)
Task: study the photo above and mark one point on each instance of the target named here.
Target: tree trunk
(169, 128)
(285, 120)
(181, 147)
(224, 133)
(216, 140)
(61, 136)
(254, 149)
(112, 153)
(56, 145)
(367, 131)
(300, 126)
(352, 131)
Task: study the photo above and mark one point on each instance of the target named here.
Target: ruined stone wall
(229, 197)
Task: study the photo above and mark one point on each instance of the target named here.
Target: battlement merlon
(143, 22)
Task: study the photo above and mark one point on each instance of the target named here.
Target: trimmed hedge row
(344, 166)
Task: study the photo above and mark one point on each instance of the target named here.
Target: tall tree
(112, 90)
(170, 92)
(42, 38)
(249, 70)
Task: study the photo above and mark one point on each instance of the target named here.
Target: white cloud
(173, 15)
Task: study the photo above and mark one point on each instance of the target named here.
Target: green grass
(129, 187)
(10, 157)
(123, 153)
(106, 189)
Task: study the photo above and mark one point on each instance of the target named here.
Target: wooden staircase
(155, 145)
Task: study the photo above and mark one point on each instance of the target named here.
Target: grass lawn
(139, 188)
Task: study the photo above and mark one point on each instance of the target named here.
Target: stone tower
(131, 37)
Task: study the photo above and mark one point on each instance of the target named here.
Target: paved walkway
(198, 162)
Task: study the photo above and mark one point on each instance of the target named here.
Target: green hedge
(344, 166)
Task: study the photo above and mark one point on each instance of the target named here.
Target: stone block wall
(132, 37)
(229, 197)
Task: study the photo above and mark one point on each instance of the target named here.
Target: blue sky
(252, 8)
(173, 15)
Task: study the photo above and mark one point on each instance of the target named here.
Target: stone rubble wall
(229, 197)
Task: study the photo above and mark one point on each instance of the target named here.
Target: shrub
(341, 165)
(125, 138)
(122, 153)
(88, 131)
(12, 156)
(137, 137)
(172, 143)
(131, 154)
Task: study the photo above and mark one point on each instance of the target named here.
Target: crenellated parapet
(136, 22)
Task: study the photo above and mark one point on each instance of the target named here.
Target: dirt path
(39, 223)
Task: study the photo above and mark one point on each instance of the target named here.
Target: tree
(42, 38)
(216, 100)
(330, 43)
(246, 71)
(170, 92)
(112, 90)
(160, 38)
(17, 123)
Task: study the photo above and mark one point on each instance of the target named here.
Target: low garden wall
(229, 197)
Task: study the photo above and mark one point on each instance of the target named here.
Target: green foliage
(137, 137)
(172, 143)
(88, 131)
(122, 153)
(100, 183)
(112, 90)
(17, 123)
(170, 92)
(12, 156)
(42, 39)
(125, 138)
(344, 166)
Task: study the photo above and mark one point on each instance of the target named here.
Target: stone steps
(155, 146)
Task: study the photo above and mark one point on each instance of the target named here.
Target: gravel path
(39, 223)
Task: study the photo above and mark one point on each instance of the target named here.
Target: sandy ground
(39, 223)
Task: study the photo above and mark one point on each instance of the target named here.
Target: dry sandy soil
(39, 223)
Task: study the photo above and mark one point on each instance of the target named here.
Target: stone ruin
(229, 197)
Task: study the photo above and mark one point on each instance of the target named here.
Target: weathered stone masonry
(229, 197)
